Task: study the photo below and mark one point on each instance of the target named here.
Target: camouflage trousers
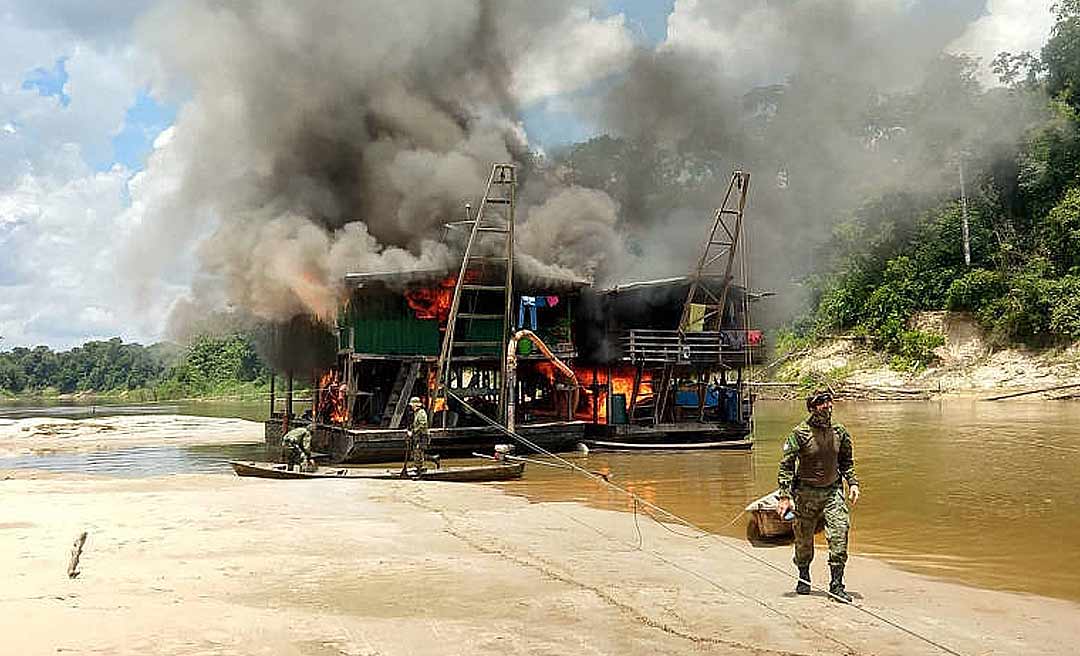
(811, 504)
(297, 455)
(418, 450)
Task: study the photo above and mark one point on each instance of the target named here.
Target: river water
(967, 490)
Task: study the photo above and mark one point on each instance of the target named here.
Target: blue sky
(548, 127)
(146, 118)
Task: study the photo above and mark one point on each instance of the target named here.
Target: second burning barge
(657, 364)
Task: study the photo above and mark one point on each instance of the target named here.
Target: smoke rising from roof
(325, 138)
(318, 139)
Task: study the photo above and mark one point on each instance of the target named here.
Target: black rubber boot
(836, 586)
(803, 586)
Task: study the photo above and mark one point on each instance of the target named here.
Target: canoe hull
(476, 474)
(766, 521)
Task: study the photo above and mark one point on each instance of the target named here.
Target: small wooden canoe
(476, 474)
(768, 523)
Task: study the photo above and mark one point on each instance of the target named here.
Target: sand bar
(213, 564)
(49, 435)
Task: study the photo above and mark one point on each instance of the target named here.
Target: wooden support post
(739, 388)
(634, 394)
(703, 390)
(288, 397)
(595, 399)
(273, 377)
(607, 400)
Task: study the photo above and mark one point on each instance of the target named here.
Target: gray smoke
(317, 139)
(325, 138)
(828, 103)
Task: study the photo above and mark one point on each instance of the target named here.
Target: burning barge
(652, 365)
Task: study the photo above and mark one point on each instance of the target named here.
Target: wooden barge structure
(556, 361)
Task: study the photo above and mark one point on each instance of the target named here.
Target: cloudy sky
(86, 127)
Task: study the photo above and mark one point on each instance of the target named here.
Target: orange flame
(330, 398)
(432, 302)
(432, 383)
(622, 382)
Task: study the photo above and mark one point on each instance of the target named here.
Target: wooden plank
(1029, 392)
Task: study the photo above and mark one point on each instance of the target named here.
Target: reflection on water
(976, 491)
(137, 462)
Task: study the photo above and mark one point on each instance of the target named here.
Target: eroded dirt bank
(966, 364)
(212, 564)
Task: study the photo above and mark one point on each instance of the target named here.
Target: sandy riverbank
(213, 564)
(45, 435)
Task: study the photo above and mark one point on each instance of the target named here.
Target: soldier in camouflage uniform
(296, 449)
(822, 450)
(419, 438)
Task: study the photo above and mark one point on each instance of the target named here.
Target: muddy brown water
(977, 492)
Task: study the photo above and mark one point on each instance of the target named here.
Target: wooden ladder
(721, 246)
(484, 287)
(400, 393)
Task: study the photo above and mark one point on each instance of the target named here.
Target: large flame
(330, 398)
(432, 302)
(594, 386)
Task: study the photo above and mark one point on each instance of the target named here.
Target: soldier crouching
(296, 449)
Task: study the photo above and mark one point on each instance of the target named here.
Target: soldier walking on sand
(822, 450)
(419, 438)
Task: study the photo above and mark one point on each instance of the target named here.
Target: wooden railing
(693, 347)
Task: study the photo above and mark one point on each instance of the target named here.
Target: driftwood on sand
(849, 391)
(1014, 395)
(76, 553)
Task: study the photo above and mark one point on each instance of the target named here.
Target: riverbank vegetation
(210, 366)
(902, 253)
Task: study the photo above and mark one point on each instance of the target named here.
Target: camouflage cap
(817, 397)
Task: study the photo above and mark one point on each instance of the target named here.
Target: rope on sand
(689, 524)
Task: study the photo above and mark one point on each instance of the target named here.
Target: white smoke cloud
(757, 43)
(568, 56)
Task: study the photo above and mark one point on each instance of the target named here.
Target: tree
(1061, 54)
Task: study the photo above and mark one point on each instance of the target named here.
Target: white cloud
(61, 221)
(1009, 25)
(569, 55)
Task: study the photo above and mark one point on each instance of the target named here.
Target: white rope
(644, 503)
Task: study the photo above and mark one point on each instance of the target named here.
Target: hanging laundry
(552, 301)
(696, 320)
(530, 303)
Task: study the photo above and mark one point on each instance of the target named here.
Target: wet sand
(214, 564)
(48, 435)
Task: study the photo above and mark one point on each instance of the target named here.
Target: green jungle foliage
(900, 254)
(208, 366)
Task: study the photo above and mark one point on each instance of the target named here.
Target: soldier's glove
(853, 494)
